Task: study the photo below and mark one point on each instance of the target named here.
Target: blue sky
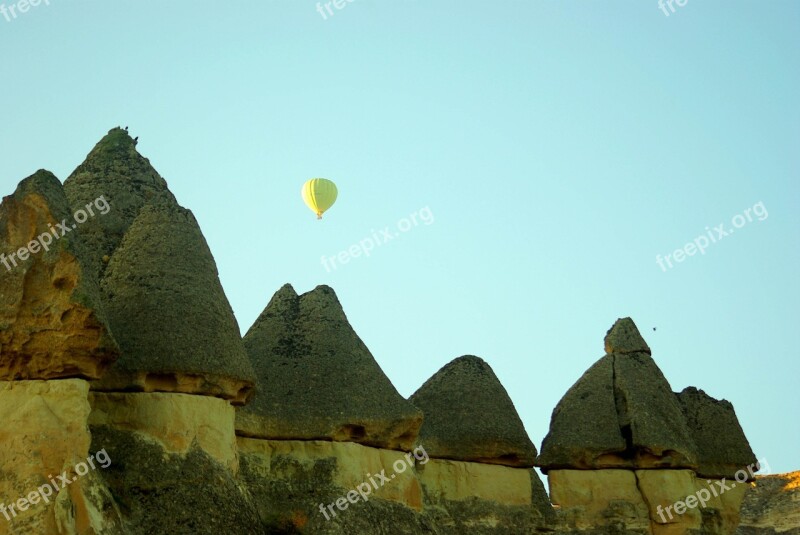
(559, 146)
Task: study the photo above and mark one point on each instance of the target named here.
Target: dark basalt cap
(584, 426)
(174, 325)
(470, 417)
(317, 379)
(115, 171)
(624, 337)
(621, 414)
(722, 446)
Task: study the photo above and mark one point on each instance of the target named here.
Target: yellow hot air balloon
(319, 194)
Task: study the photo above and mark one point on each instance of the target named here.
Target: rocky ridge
(118, 344)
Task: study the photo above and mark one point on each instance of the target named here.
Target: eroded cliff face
(52, 324)
(772, 506)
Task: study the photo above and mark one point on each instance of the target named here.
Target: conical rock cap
(115, 172)
(317, 380)
(469, 416)
(621, 413)
(174, 325)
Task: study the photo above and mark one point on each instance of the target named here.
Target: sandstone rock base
(45, 434)
(174, 421)
(458, 481)
(351, 464)
(645, 501)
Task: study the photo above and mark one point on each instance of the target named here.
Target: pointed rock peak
(51, 323)
(467, 363)
(469, 416)
(286, 291)
(282, 307)
(621, 413)
(116, 173)
(323, 302)
(624, 337)
(176, 329)
(117, 141)
(322, 294)
(317, 380)
(285, 298)
(324, 289)
(42, 182)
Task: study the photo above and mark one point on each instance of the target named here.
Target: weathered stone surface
(721, 514)
(352, 465)
(602, 500)
(661, 490)
(469, 416)
(45, 434)
(446, 480)
(116, 171)
(292, 481)
(722, 446)
(484, 499)
(657, 502)
(289, 480)
(176, 422)
(169, 313)
(317, 379)
(51, 322)
(621, 414)
(650, 417)
(584, 427)
(624, 337)
(160, 492)
(772, 506)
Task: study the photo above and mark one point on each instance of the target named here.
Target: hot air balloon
(319, 194)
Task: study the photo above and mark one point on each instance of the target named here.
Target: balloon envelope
(319, 194)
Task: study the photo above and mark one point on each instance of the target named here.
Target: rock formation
(621, 414)
(318, 381)
(115, 171)
(45, 435)
(470, 417)
(174, 325)
(722, 447)
(123, 372)
(51, 321)
(479, 472)
(623, 449)
(772, 506)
